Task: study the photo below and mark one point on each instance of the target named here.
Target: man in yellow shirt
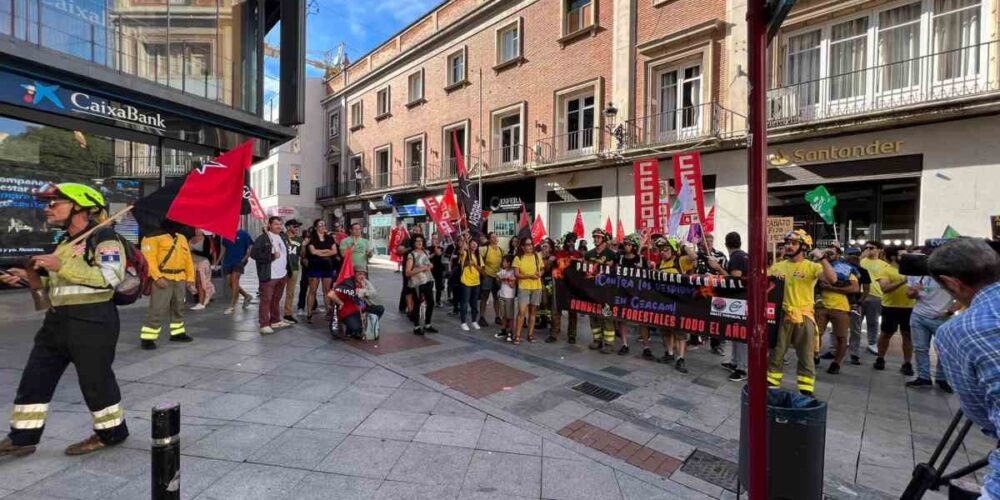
(871, 308)
(897, 307)
(798, 328)
(492, 255)
(172, 272)
(834, 307)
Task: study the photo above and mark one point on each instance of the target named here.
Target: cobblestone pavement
(453, 415)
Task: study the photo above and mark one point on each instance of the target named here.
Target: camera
(915, 264)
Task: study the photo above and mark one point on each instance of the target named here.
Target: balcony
(678, 126)
(336, 190)
(578, 144)
(512, 158)
(146, 167)
(934, 78)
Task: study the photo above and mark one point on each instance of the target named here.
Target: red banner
(687, 169)
(537, 230)
(396, 236)
(646, 174)
(449, 205)
(255, 209)
(444, 226)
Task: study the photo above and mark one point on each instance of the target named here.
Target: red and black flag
(467, 196)
(210, 197)
(524, 225)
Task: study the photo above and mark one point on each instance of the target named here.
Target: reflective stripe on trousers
(147, 333)
(29, 416)
(177, 329)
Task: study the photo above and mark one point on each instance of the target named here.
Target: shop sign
(780, 158)
(505, 203)
(282, 211)
(380, 220)
(778, 227)
(352, 207)
(410, 210)
(75, 9)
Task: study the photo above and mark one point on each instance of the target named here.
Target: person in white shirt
(270, 252)
(934, 306)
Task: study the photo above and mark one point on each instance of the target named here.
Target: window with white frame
(507, 139)
(802, 67)
(898, 46)
(847, 59)
(456, 67)
(357, 167)
(956, 38)
(334, 124)
(270, 180)
(577, 122)
(509, 42)
(415, 86)
(383, 102)
(452, 136)
(357, 114)
(414, 159)
(678, 101)
(383, 163)
(577, 15)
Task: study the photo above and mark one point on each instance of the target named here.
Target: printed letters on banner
(444, 226)
(687, 169)
(647, 193)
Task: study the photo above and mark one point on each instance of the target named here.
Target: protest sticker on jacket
(696, 304)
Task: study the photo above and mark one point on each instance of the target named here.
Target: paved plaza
(450, 415)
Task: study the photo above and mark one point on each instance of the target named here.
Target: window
(456, 68)
(383, 163)
(803, 66)
(679, 102)
(451, 154)
(271, 191)
(357, 115)
(357, 167)
(956, 38)
(414, 160)
(383, 102)
(294, 176)
(509, 42)
(848, 51)
(579, 124)
(334, 125)
(898, 46)
(507, 138)
(415, 86)
(578, 15)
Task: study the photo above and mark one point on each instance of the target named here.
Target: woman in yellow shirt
(471, 262)
(672, 262)
(528, 268)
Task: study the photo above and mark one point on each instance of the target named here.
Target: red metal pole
(757, 298)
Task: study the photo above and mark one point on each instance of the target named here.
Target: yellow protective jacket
(178, 267)
(86, 276)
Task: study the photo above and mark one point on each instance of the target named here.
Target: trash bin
(796, 444)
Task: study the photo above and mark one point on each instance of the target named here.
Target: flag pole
(479, 161)
(84, 235)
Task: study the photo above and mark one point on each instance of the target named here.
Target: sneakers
(290, 320)
(181, 338)
(418, 331)
(729, 365)
(623, 351)
(430, 329)
(737, 376)
(502, 334)
(679, 366)
(944, 386)
(483, 322)
(834, 368)
(919, 382)
(873, 348)
(198, 307)
(879, 364)
(475, 326)
(266, 330)
(647, 353)
(855, 360)
(148, 345)
(464, 327)
(718, 351)
(89, 445)
(667, 358)
(247, 300)
(9, 449)
(595, 345)
(828, 355)
(228, 311)
(280, 324)
(906, 369)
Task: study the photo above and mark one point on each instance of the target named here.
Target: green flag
(822, 202)
(950, 233)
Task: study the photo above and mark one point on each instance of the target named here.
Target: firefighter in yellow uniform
(798, 328)
(172, 272)
(81, 325)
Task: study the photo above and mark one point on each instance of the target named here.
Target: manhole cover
(710, 468)
(616, 371)
(602, 393)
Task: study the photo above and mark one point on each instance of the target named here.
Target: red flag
(212, 194)
(444, 226)
(255, 209)
(449, 205)
(710, 221)
(620, 237)
(347, 268)
(578, 225)
(607, 227)
(537, 230)
(395, 238)
(525, 221)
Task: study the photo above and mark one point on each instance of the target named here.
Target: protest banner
(702, 305)
(444, 226)
(687, 170)
(778, 227)
(646, 175)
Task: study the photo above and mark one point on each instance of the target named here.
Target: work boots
(89, 445)
(7, 448)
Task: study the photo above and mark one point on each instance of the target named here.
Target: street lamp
(616, 131)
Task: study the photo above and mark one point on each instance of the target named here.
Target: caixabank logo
(49, 95)
(38, 93)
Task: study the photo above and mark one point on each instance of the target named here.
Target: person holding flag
(421, 282)
(603, 327)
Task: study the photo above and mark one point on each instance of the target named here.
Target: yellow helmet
(80, 194)
(801, 236)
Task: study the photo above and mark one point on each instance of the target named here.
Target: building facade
(551, 102)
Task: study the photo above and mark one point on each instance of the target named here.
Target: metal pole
(166, 452)
(480, 160)
(757, 292)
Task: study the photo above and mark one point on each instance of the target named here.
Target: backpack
(135, 282)
(372, 330)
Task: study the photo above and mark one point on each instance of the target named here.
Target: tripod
(926, 476)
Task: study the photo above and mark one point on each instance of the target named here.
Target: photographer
(969, 344)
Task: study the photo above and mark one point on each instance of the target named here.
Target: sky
(360, 25)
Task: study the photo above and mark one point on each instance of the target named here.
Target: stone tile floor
(297, 415)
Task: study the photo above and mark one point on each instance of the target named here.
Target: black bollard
(166, 452)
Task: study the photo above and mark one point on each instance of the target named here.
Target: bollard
(166, 452)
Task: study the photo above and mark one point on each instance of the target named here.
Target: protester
(492, 255)
(437, 267)
(81, 326)
(705, 252)
(738, 266)
(897, 307)
(630, 259)
(934, 307)
(834, 307)
(418, 271)
(303, 259)
(234, 261)
(406, 293)
(507, 296)
(602, 327)
(455, 274)
(351, 306)
(672, 262)
(871, 261)
(338, 232)
(513, 246)
(563, 259)
(319, 252)
(544, 312)
(270, 252)
(294, 240)
(969, 344)
(857, 302)
(361, 250)
(204, 256)
(798, 328)
(470, 264)
(528, 268)
(172, 272)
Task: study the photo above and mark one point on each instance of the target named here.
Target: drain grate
(602, 393)
(712, 469)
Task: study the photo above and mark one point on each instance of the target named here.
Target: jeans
(923, 329)
(739, 355)
(872, 310)
(469, 297)
(854, 344)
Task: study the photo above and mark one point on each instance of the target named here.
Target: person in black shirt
(406, 293)
(437, 266)
(630, 258)
(737, 266)
(856, 301)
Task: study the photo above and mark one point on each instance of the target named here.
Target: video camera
(915, 264)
